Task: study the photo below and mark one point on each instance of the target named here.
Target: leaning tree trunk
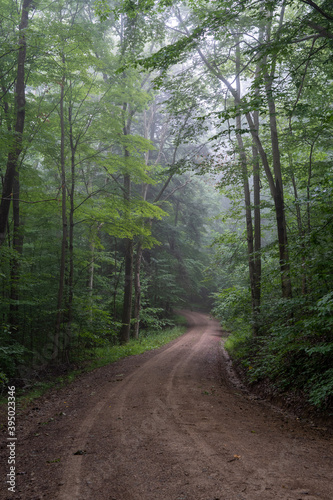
(247, 198)
(16, 147)
(278, 195)
(278, 192)
(275, 185)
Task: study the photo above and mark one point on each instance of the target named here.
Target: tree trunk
(16, 147)
(299, 225)
(69, 306)
(127, 304)
(248, 219)
(125, 330)
(257, 208)
(15, 262)
(137, 290)
(17, 244)
(274, 185)
(257, 228)
(61, 287)
(128, 286)
(308, 188)
(91, 278)
(278, 196)
(246, 188)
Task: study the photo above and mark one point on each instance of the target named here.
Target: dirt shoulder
(165, 425)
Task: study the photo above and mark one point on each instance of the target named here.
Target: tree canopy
(162, 154)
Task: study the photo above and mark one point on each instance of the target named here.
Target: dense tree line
(94, 209)
(107, 112)
(258, 78)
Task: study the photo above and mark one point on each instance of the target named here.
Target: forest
(163, 155)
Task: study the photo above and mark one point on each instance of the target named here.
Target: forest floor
(168, 424)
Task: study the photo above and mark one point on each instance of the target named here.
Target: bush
(233, 308)
(295, 351)
(11, 354)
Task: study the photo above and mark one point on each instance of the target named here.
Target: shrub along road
(169, 425)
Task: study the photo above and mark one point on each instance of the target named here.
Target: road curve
(171, 430)
(166, 425)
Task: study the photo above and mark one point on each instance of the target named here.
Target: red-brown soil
(166, 425)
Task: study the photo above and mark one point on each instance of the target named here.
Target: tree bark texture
(71, 229)
(64, 242)
(128, 287)
(246, 189)
(137, 290)
(125, 330)
(15, 261)
(16, 148)
(257, 226)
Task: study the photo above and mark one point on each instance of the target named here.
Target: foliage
(233, 308)
(101, 356)
(147, 342)
(295, 352)
(90, 127)
(11, 354)
(141, 146)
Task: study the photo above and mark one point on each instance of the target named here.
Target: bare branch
(176, 189)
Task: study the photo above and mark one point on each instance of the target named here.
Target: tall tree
(20, 102)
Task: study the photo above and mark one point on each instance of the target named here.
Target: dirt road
(165, 426)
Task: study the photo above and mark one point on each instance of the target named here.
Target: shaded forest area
(156, 155)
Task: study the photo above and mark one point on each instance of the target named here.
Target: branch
(158, 197)
(302, 84)
(31, 202)
(176, 189)
(316, 7)
(305, 38)
(323, 32)
(175, 29)
(116, 180)
(89, 196)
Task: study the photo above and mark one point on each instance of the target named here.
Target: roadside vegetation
(163, 154)
(96, 357)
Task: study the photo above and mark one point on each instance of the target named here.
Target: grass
(235, 342)
(147, 342)
(101, 356)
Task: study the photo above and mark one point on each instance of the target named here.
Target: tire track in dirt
(170, 431)
(71, 487)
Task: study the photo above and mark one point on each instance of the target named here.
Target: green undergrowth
(98, 357)
(147, 341)
(292, 353)
(289, 361)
